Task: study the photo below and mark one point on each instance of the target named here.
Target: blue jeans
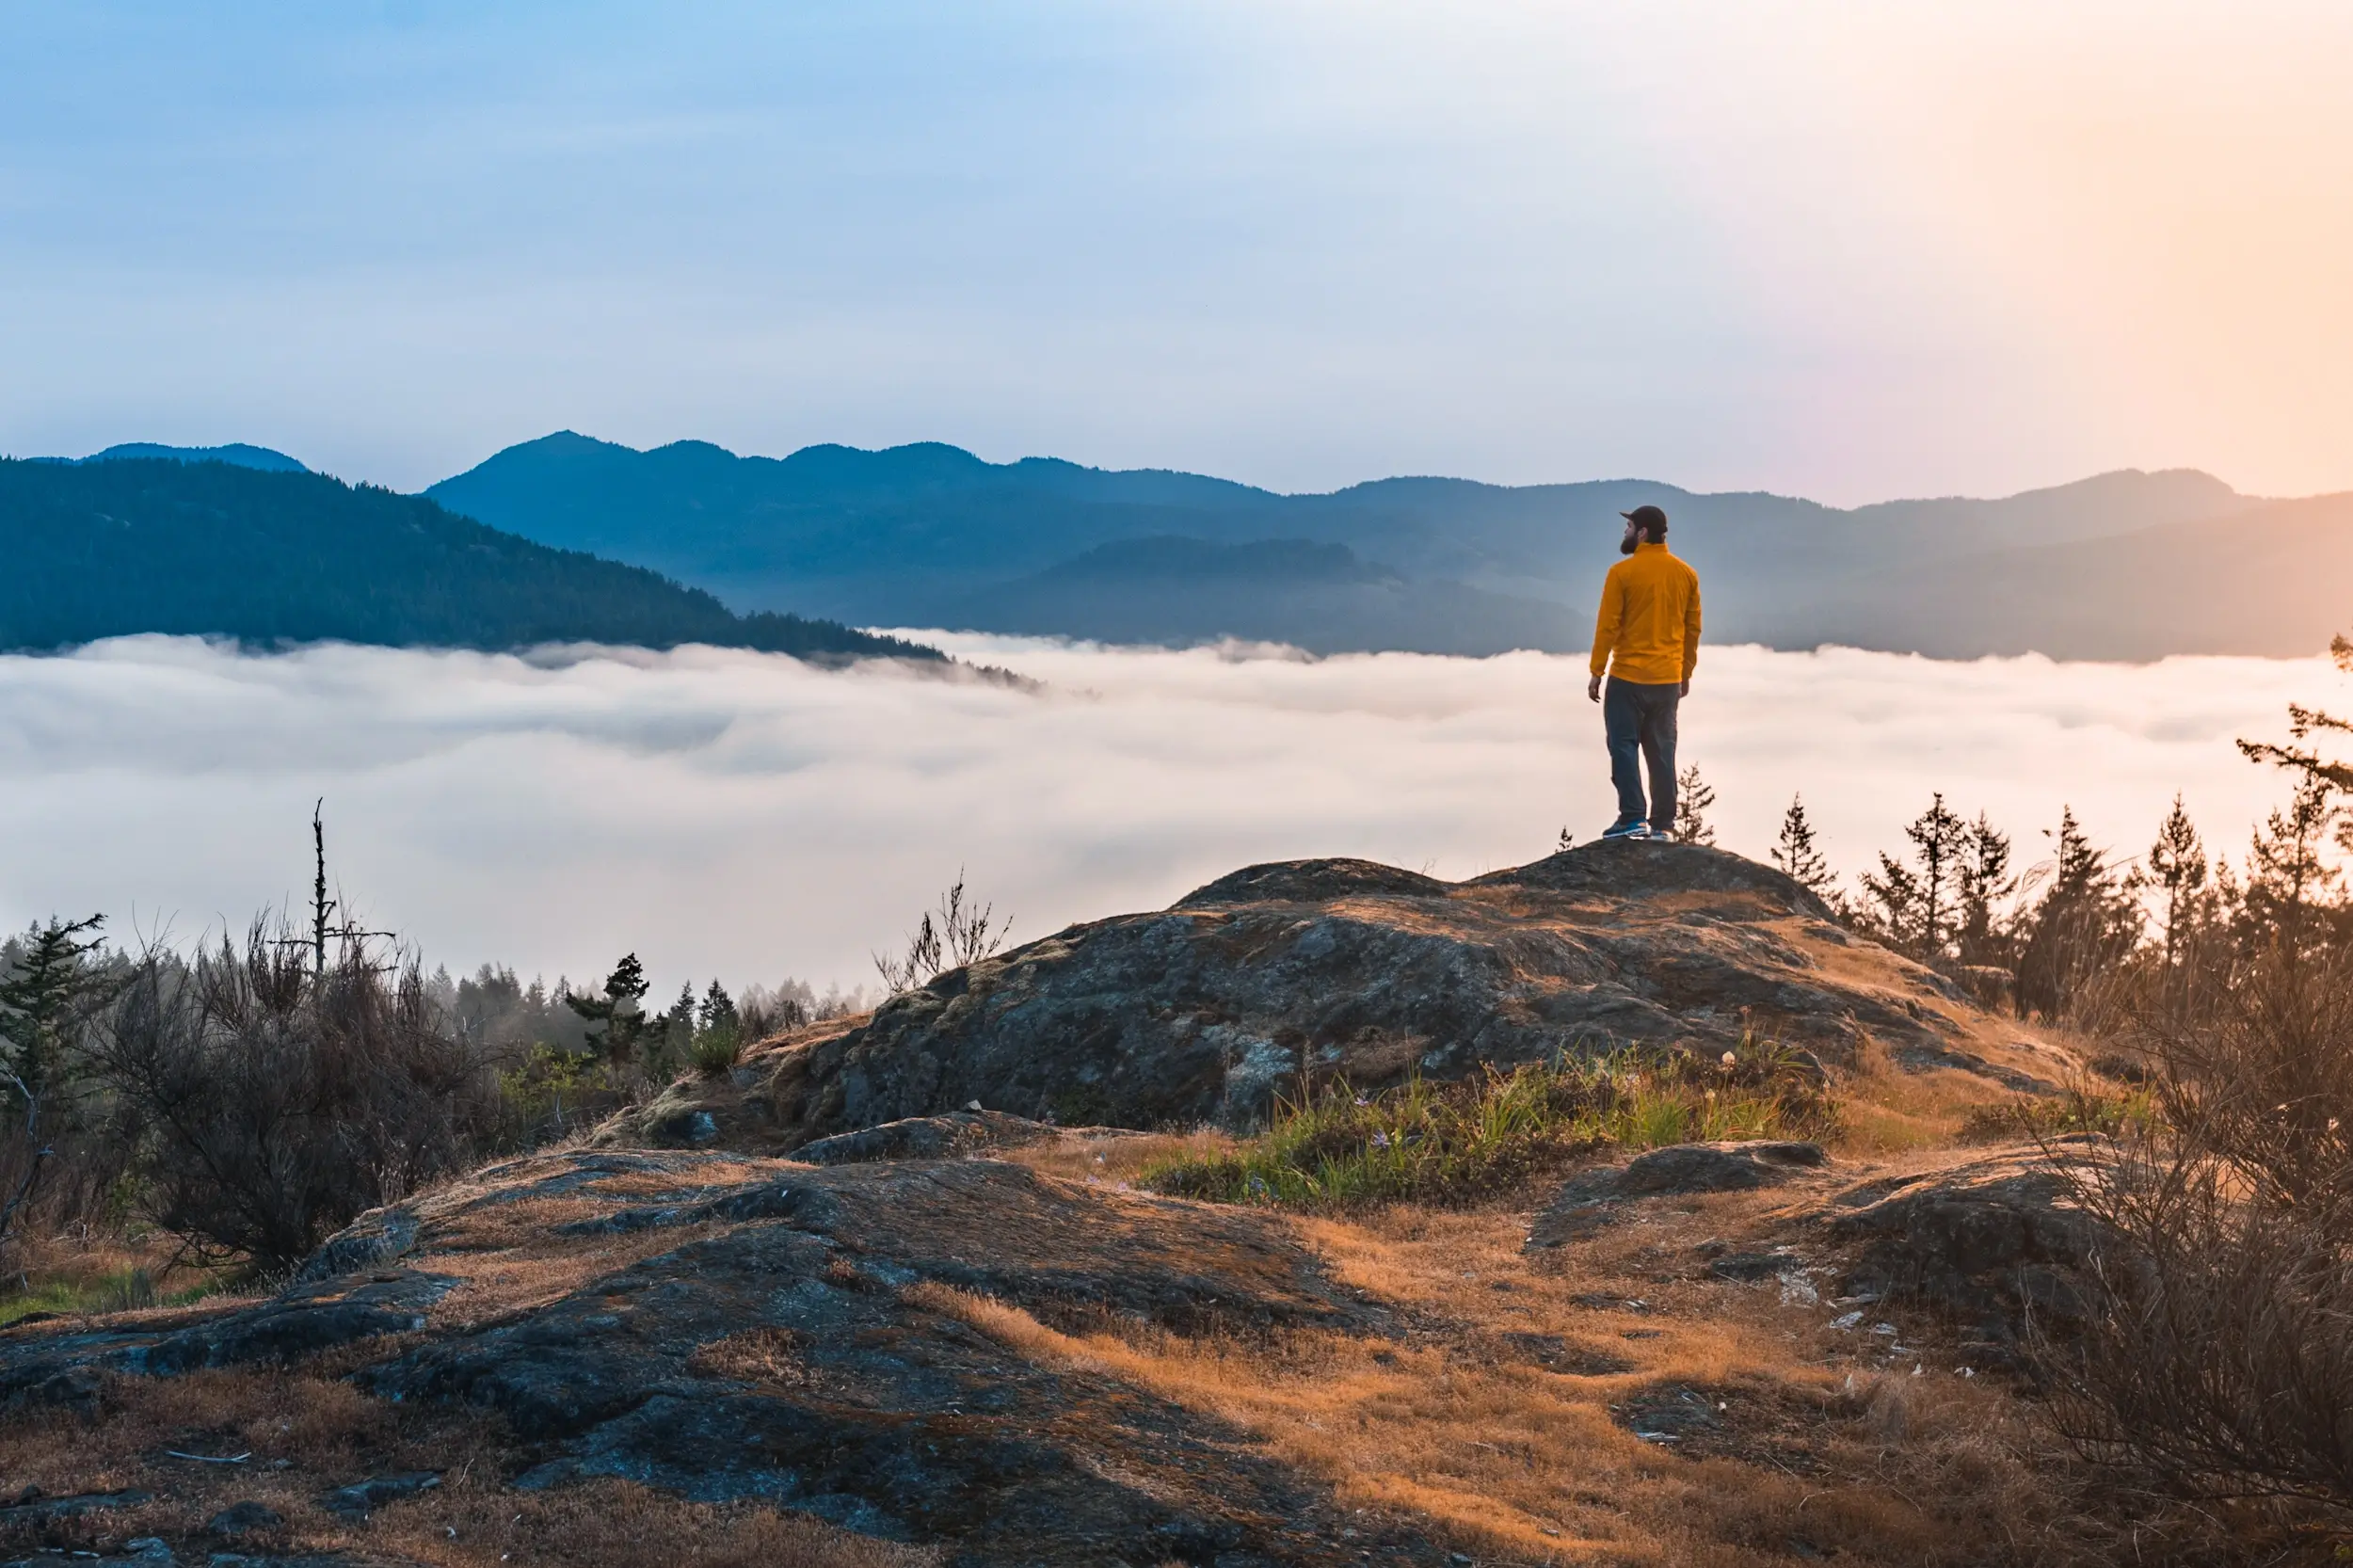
(1640, 720)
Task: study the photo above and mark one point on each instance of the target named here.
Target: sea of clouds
(750, 817)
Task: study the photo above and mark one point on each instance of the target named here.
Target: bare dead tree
(320, 906)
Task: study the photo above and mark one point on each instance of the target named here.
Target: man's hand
(1592, 689)
(1687, 690)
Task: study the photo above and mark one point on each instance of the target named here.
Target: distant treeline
(103, 550)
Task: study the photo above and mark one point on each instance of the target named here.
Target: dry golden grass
(705, 1175)
(1886, 1110)
(767, 1356)
(1115, 1158)
(315, 1424)
(1451, 1420)
(85, 1259)
(510, 1255)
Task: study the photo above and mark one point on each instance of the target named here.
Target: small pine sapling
(2178, 869)
(1798, 853)
(1694, 799)
(718, 1033)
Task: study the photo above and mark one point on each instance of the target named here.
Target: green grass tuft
(716, 1050)
(1457, 1143)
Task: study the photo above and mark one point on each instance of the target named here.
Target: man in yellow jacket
(1647, 642)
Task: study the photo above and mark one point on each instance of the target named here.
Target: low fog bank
(749, 817)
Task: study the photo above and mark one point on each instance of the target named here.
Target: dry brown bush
(2216, 1359)
(271, 1102)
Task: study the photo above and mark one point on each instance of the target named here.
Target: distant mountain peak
(237, 455)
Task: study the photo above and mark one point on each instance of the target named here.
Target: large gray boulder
(1989, 1241)
(1316, 969)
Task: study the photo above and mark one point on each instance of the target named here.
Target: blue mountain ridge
(931, 535)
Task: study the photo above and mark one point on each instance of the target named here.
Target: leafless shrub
(273, 1101)
(957, 933)
(2215, 1355)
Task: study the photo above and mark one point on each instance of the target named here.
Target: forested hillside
(99, 549)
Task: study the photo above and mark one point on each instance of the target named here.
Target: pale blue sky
(1818, 247)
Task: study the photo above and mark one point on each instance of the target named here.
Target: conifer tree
(1893, 913)
(2292, 894)
(1983, 880)
(1916, 908)
(718, 1014)
(2287, 879)
(1798, 853)
(1694, 799)
(616, 1011)
(670, 1038)
(2178, 867)
(2086, 921)
(2309, 765)
(45, 997)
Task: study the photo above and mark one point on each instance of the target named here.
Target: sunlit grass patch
(1429, 1143)
(1502, 1459)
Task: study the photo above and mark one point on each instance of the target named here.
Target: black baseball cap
(1647, 518)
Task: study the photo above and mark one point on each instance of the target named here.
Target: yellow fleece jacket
(1650, 619)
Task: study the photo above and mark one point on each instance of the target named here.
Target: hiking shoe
(1627, 830)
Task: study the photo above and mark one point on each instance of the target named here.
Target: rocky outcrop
(1987, 1242)
(1206, 1011)
(724, 1328)
(312, 1316)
